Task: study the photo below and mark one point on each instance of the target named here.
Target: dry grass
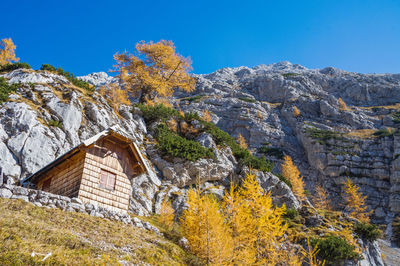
(362, 133)
(77, 239)
(388, 107)
(272, 105)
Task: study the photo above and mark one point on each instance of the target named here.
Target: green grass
(249, 100)
(195, 99)
(78, 239)
(271, 151)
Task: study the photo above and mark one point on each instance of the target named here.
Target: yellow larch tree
(242, 142)
(240, 221)
(7, 52)
(320, 198)
(203, 224)
(296, 112)
(155, 69)
(115, 95)
(291, 172)
(167, 214)
(342, 105)
(355, 202)
(266, 223)
(206, 116)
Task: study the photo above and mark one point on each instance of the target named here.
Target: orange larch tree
(355, 202)
(290, 171)
(7, 52)
(154, 70)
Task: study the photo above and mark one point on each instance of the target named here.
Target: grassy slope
(77, 239)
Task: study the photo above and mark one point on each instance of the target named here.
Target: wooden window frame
(107, 180)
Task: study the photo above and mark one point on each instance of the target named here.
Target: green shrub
(243, 155)
(396, 117)
(249, 100)
(157, 112)
(323, 135)
(284, 180)
(55, 123)
(291, 213)
(5, 89)
(386, 132)
(287, 75)
(366, 231)
(177, 146)
(195, 99)
(10, 67)
(270, 151)
(191, 116)
(335, 250)
(70, 76)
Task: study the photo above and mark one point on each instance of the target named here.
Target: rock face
(327, 142)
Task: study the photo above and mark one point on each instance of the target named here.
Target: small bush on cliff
(5, 89)
(335, 250)
(177, 146)
(70, 76)
(366, 231)
(159, 112)
(10, 67)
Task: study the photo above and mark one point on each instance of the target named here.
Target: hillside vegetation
(77, 239)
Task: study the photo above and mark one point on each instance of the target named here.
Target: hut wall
(113, 159)
(65, 178)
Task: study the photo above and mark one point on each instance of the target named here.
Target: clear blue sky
(82, 36)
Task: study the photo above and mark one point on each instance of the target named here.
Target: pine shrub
(157, 112)
(335, 250)
(366, 231)
(70, 76)
(5, 89)
(171, 143)
(10, 67)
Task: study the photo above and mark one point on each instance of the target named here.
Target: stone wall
(48, 200)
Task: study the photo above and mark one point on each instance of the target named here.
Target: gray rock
(5, 193)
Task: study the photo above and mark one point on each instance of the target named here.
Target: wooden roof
(109, 134)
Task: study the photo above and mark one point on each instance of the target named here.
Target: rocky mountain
(47, 116)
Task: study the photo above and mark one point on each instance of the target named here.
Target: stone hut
(98, 171)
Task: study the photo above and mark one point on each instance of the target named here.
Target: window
(107, 180)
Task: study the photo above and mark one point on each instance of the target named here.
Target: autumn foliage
(116, 95)
(245, 229)
(290, 171)
(167, 214)
(7, 52)
(320, 198)
(155, 69)
(242, 142)
(355, 202)
(296, 112)
(342, 105)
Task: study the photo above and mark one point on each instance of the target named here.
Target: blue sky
(82, 36)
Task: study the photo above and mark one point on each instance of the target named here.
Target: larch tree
(342, 105)
(203, 224)
(241, 223)
(167, 214)
(296, 112)
(155, 69)
(242, 142)
(266, 223)
(320, 198)
(355, 202)
(7, 52)
(206, 116)
(291, 172)
(116, 95)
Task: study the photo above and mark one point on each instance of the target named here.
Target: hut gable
(99, 171)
